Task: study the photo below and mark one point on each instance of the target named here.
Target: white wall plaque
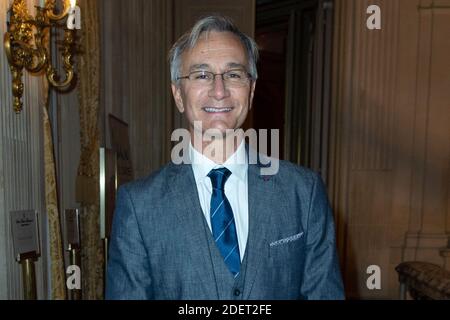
(25, 232)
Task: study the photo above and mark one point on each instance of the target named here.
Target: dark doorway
(292, 92)
(271, 86)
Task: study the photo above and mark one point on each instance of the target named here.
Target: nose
(218, 90)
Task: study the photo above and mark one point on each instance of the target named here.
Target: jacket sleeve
(128, 274)
(322, 277)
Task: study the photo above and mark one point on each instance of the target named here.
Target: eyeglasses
(232, 78)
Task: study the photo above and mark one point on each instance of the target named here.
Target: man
(217, 228)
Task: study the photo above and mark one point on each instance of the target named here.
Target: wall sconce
(31, 51)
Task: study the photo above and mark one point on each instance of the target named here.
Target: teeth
(217, 109)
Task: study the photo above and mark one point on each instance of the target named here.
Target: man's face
(218, 105)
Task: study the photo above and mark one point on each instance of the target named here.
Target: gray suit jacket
(159, 249)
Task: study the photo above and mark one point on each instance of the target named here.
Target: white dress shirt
(236, 188)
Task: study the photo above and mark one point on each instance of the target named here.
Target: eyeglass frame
(249, 76)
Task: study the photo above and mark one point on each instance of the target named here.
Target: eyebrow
(236, 65)
(207, 66)
(199, 66)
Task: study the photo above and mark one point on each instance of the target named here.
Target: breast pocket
(285, 267)
(287, 251)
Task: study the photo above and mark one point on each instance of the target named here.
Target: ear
(176, 91)
(252, 93)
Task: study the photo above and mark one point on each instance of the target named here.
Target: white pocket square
(286, 240)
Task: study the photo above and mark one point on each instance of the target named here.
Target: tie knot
(219, 177)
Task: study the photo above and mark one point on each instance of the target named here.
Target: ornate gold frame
(31, 51)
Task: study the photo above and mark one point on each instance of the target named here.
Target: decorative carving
(425, 281)
(30, 51)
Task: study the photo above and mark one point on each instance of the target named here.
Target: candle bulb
(73, 3)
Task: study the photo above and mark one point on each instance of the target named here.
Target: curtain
(57, 267)
(58, 283)
(88, 170)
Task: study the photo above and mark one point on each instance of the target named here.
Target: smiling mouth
(216, 110)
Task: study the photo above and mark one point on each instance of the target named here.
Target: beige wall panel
(136, 87)
(391, 138)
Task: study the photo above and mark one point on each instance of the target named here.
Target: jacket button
(237, 292)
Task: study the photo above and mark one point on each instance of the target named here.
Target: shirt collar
(202, 165)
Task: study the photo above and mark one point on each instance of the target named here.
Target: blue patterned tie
(222, 221)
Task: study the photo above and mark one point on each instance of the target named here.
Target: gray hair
(207, 24)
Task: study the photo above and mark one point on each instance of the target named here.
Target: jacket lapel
(263, 201)
(189, 213)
